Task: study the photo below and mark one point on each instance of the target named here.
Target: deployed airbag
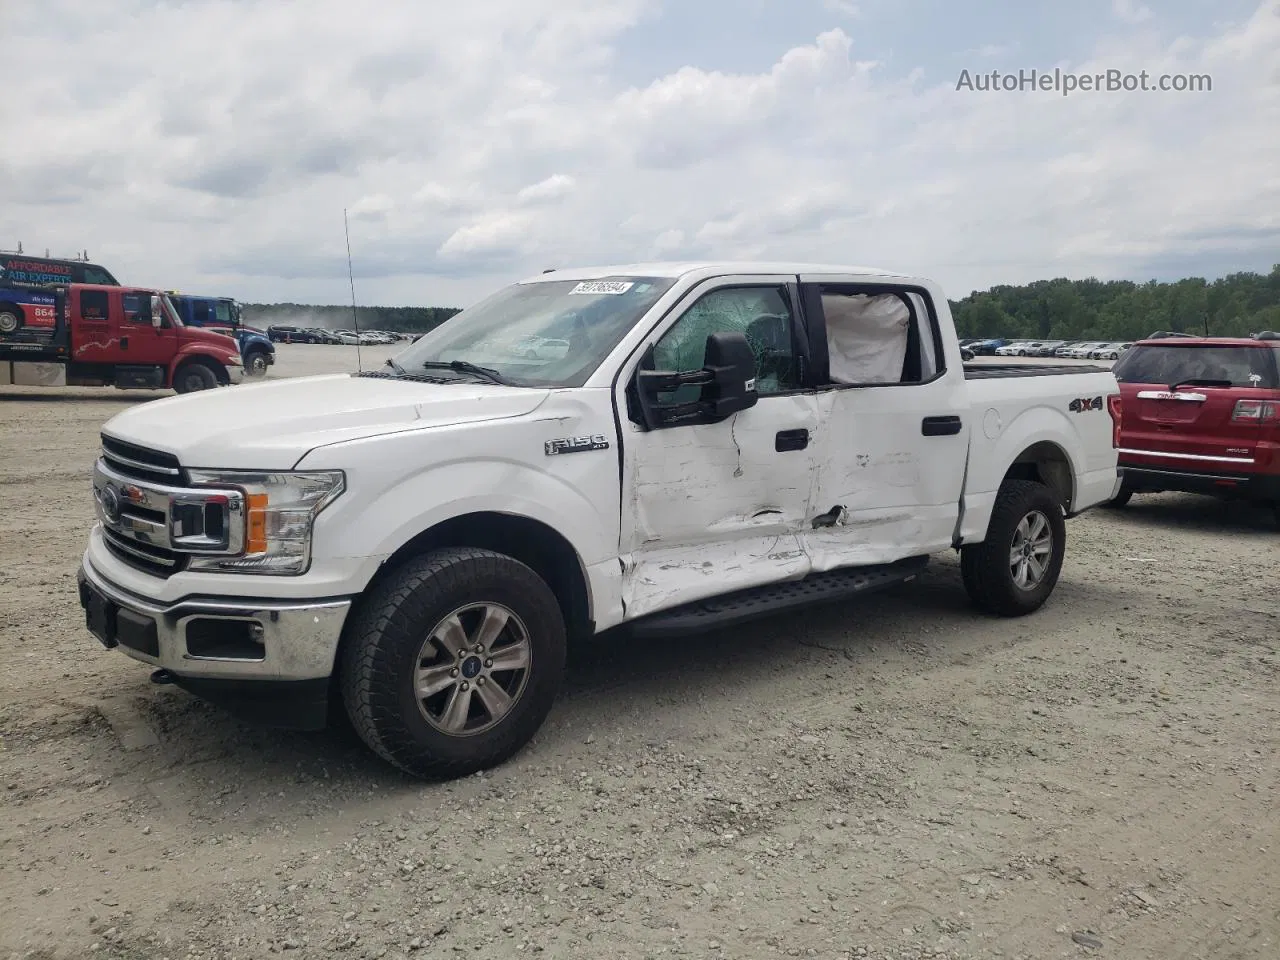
(866, 337)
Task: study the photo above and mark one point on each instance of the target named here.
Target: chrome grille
(139, 463)
(152, 520)
(153, 560)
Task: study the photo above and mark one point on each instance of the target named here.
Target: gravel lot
(893, 778)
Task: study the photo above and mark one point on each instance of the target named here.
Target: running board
(734, 608)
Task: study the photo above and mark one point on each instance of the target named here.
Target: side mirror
(727, 382)
(157, 312)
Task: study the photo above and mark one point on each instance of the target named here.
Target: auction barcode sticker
(603, 286)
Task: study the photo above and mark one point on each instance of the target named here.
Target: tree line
(399, 319)
(1235, 305)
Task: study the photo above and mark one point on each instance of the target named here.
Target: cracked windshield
(546, 333)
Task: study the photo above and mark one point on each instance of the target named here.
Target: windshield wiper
(466, 366)
(1199, 382)
(396, 367)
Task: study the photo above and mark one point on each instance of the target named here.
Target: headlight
(280, 512)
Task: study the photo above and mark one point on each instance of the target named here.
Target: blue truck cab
(256, 350)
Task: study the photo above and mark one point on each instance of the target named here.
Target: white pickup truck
(418, 544)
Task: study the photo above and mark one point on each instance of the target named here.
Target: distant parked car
(281, 333)
(987, 348)
(1046, 348)
(1080, 349)
(1019, 348)
(1110, 351)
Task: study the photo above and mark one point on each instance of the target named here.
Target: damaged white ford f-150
(687, 446)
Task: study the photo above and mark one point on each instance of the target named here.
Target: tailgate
(1192, 421)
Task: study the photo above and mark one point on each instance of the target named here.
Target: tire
(987, 567)
(1121, 499)
(194, 376)
(10, 318)
(255, 364)
(402, 629)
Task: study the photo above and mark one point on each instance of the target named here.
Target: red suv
(1201, 414)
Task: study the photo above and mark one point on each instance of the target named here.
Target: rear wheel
(452, 663)
(1014, 570)
(10, 318)
(194, 376)
(1121, 498)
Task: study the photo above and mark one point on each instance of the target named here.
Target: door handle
(786, 440)
(940, 426)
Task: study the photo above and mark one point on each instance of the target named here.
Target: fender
(385, 508)
(990, 460)
(196, 350)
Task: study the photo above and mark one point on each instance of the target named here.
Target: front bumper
(273, 656)
(235, 373)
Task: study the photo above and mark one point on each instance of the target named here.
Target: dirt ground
(897, 777)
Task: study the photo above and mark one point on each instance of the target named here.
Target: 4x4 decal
(1085, 404)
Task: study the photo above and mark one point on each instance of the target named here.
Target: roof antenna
(355, 321)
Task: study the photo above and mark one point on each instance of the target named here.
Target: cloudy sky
(212, 145)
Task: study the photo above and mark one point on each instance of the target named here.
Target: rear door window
(1169, 365)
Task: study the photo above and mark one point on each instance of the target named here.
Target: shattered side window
(763, 314)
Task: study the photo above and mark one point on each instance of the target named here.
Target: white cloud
(476, 143)
(495, 233)
(1130, 11)
(552, 188)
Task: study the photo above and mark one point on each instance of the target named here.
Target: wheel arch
(1046, 462)
(183, 358)
(536, 544)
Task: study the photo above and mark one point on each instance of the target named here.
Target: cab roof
(710, 268)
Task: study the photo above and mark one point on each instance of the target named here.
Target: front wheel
(194, 376)
(255, 364)
(1014, 570)
(453, 662)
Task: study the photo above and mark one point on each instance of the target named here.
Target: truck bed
(997, 371)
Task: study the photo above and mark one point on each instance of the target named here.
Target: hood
(272, 425)
(215, 337)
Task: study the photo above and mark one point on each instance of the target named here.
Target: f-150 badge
(576, 444)
(1083, 404)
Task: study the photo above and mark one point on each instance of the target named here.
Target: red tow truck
(112, 335)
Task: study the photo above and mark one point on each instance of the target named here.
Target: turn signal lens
(255, 540)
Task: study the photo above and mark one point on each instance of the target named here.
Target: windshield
(548, 333)
(1241, 366)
